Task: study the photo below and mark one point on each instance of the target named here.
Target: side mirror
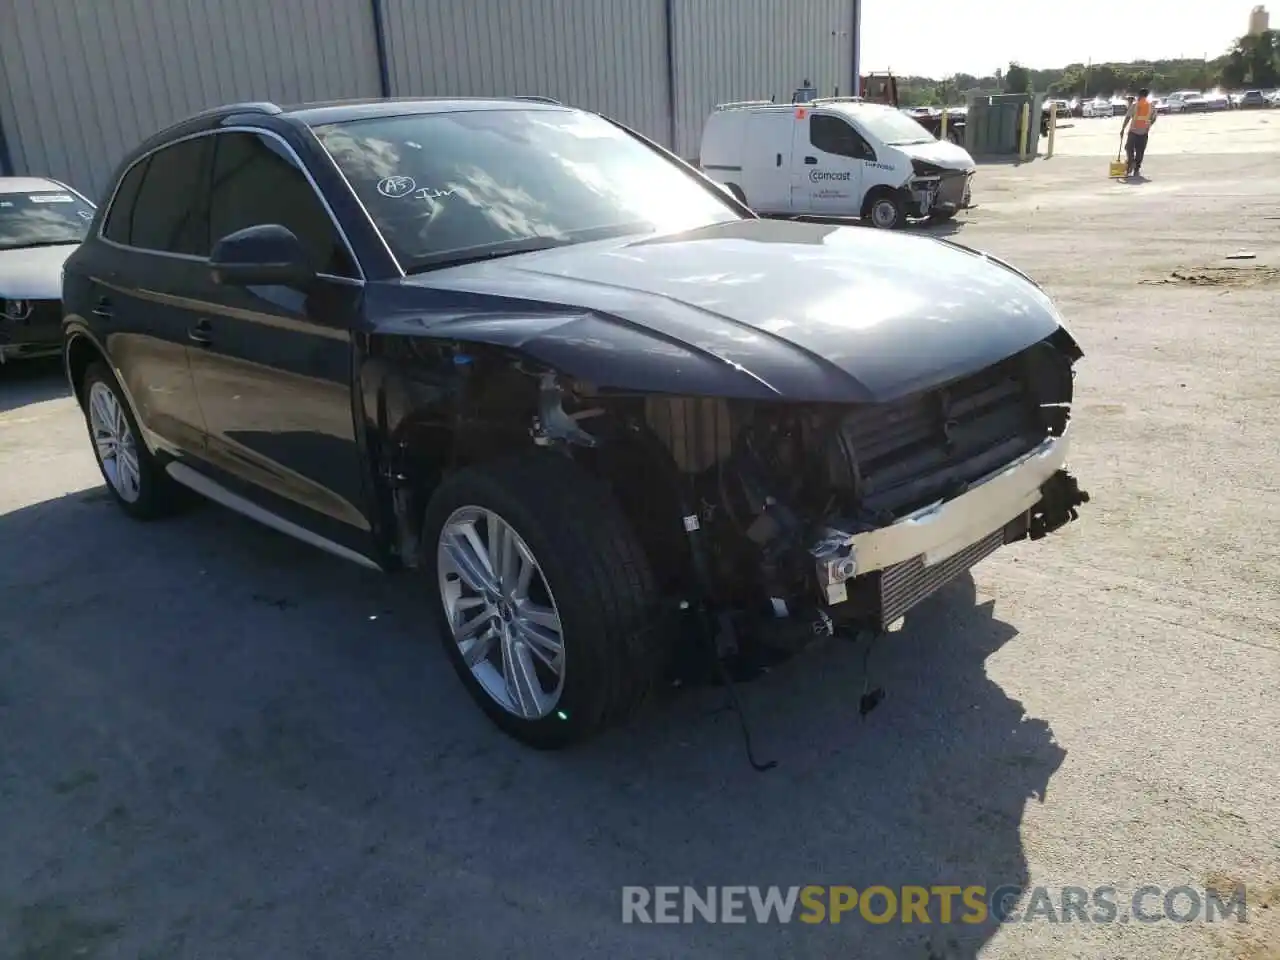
(266, 254)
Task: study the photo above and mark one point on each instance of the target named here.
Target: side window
(171, 214)
(256, 181)
(833, 135)
(119, 222)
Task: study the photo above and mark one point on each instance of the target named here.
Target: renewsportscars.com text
(927, 905)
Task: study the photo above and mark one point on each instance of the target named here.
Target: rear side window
(833, 135)
(257, 181)
(119, 222)
(171, 213)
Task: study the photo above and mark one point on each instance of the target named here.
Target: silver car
(41, 222)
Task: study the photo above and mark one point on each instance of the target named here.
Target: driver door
(834, 158)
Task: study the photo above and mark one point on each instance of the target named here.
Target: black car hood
(752, 308)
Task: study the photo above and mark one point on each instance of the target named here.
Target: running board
(210, 489)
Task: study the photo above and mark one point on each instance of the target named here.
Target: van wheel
(545, 597)
(737, 192)
(884, 210)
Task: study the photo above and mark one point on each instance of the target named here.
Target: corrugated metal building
(82, 81)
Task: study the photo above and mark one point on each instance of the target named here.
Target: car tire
(884, 210)
(943, 216)
(134, 478)
(589, 577)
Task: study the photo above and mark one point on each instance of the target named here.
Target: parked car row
(614, 431)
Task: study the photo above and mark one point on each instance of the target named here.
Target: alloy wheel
(501, 612)
(114, 443)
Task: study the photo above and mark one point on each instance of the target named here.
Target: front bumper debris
(1032, 488)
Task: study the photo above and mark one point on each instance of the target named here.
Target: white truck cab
(838, 157)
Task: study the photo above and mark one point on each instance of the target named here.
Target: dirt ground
(217, 743)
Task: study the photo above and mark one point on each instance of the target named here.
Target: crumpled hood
(942, 152)
(800, 310)
(33, 273)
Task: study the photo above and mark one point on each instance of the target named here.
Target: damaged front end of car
(794, 520)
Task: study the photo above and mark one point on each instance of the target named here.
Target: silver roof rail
(838, 100)
(539, 99)
(255, 106)
(738, 104)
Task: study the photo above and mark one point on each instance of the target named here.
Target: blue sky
(937, 37)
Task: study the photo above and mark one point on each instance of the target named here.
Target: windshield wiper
(531, 245)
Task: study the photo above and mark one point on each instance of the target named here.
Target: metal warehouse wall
(753, 50)
(602, 55)
(83, 81)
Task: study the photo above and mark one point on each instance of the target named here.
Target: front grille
(904, 585)
(953, 189)
(932, 445)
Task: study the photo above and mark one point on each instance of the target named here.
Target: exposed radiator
(904, 585)
(931, 445)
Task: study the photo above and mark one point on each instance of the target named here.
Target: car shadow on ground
(24, 382)
(939, 228)
(217, 738)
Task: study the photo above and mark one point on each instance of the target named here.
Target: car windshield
(43, 218)
(447, 188)
(890, 126)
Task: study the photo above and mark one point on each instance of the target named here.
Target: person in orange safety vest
(1138, 120)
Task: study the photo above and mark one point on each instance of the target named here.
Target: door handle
(201, 334)
(779, 159)
(810, 160)
(102, 309)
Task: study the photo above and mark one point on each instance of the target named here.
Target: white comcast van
(841, 157)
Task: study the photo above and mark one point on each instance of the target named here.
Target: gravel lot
(217, 743)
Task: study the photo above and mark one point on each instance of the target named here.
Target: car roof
(28, 184)
(334, 111)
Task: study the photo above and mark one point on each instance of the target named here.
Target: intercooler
(904, 585)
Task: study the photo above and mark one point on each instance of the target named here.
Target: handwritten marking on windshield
(427, 193)
(396, 187)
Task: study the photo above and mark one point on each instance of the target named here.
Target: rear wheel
(545, 597)
(134, 477)
(884, 210)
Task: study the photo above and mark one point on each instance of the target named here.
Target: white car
(1098, 107)
(838, 157)
(41, 222)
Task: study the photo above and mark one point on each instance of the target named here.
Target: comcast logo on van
(816, 175)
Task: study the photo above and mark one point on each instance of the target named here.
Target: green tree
(1254, 60)
(1018, 78)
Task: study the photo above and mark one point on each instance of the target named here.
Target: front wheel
(884, 209)
(546, 599)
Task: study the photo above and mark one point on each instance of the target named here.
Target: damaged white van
(840, 157)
